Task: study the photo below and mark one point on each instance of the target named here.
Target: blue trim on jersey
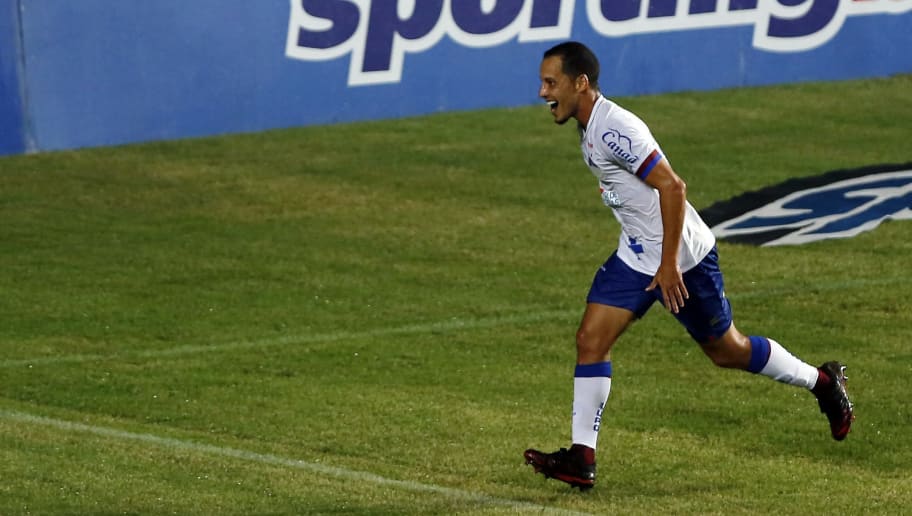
(597, 370)
(651, 161)
(760, 353)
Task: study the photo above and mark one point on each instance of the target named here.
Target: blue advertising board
(103, 72)
(12, 132)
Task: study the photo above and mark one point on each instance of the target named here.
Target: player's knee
(729, 352)
(584, 339)
(724, 360)
(592, 344)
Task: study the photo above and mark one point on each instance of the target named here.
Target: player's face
(558, 89)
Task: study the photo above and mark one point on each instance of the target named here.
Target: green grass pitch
(378, 318)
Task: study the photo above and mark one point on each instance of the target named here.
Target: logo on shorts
(838, 204)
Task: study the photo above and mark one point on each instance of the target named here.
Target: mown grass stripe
(410, 329)
(450, 325)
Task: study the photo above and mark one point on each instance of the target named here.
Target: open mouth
(552, 104)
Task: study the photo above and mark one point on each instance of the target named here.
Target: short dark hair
(576, 60)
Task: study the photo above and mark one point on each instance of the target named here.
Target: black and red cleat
(833, 400)
(573, 466)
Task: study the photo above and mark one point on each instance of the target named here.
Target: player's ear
(582, 82)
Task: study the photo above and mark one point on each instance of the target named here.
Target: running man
(666, 253)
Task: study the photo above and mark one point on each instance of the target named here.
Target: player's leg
(598, 331)
(765, 356)
(617, 297)
(760, 355)
(707, 316)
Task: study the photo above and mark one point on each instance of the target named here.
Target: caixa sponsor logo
(836, 205)
(378, 33)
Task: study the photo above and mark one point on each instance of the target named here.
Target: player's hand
(670, 281)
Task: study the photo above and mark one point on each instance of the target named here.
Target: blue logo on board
(837, 209)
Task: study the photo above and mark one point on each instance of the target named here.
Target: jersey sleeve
(628, 142)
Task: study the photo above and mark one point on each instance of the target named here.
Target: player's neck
(587, 103)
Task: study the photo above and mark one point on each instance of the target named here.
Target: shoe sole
(581, 483)
(839, 433)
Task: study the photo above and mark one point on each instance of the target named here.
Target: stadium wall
(12, 130)
(104, 72)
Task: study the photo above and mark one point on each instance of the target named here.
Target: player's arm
(672, 200)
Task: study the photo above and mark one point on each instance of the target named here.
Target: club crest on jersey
(838, 204)
(610, 198)
(620, 146)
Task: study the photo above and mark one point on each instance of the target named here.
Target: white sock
(786, 368)
(591, 386)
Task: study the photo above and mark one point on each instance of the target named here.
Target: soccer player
(666, 253)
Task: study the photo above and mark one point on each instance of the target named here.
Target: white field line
(274, 460)
(411, 329)
(450, 325)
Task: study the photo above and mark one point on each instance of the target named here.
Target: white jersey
(621, 151)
